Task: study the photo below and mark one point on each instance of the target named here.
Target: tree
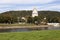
(36, 20)
(29, 20)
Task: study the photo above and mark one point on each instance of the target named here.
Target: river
(29, 29)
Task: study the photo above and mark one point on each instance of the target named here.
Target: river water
(28, 29)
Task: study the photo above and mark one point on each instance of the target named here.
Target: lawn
(32, 35)
(16, 25)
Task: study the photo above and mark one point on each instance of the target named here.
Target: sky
(9, 5)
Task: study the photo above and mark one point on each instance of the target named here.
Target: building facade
(34, 12)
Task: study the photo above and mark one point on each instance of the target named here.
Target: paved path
(9, 27)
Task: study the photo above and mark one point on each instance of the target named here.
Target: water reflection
(22, 29)
(54, 28)
(29, 29)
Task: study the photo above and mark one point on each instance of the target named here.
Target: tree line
(12, 16)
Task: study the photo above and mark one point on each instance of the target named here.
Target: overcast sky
(8, 5)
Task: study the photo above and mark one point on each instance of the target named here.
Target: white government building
(35, 13)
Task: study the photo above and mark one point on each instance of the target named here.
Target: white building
(34, 12)
(54, 24)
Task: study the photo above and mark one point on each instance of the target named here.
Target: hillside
(11, 16)
(29, 13)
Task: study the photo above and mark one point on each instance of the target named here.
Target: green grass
(33, 35)
(16, 25)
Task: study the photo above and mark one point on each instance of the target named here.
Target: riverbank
(26, 27)
(31, 35)
(9, 26)
(35, 26)
(23, 28)
(16, 24)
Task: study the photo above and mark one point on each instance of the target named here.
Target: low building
(54, 24)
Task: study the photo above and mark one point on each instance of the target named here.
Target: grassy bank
(16, 25)
(34, 35)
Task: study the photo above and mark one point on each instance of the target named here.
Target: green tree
(29, 20)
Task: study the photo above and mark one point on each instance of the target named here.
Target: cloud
(25, 1)
(51, 7)
(6, 5)
(1, 6)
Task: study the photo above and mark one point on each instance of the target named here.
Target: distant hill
(12, 16)
(29, 13)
